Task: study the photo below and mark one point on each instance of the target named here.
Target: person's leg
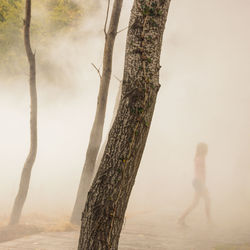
(207, 205)
(190, 208)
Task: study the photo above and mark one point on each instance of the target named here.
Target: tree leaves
(48, 18)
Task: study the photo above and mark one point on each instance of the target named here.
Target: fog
(204, 96)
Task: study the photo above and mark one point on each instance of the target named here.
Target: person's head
(201, 149)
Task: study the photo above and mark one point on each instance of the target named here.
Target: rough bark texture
(108, 197)
(97, 128)
(26, 173)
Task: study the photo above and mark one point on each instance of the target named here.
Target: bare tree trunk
(108, 197)
(97, 129)
(101, 151)
(26, 173)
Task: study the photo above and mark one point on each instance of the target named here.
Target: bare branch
(98, 70)
(119, 80)
(106, 20)
(121, 30)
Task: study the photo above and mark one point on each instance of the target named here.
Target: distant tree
(63, 14)
(108, 197)
(101, 151)
(11, 24)
(26, 173)
(52, 17)
(97, 128)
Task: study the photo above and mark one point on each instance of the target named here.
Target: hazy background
(204, 96)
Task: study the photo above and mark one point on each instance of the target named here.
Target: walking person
(199, 183)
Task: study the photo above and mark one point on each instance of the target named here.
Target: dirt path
(148, 231)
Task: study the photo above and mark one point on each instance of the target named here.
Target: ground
(148, 230)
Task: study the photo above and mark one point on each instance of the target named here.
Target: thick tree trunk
(26, 173)
(97, 129)
(108, 197)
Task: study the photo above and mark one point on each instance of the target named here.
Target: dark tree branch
(121, 30)
(119, 80)
(98, 70)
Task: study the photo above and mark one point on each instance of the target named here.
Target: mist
(204, 96)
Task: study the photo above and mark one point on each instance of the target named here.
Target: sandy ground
(152, 231)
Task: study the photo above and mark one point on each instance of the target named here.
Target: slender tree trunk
(108, 197)
(26, 173)
(97, 128)
(101, 151)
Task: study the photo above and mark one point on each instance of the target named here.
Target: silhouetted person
(199, 183)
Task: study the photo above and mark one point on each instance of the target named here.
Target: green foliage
(11, 24)
(48, 18)
(63, 13)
